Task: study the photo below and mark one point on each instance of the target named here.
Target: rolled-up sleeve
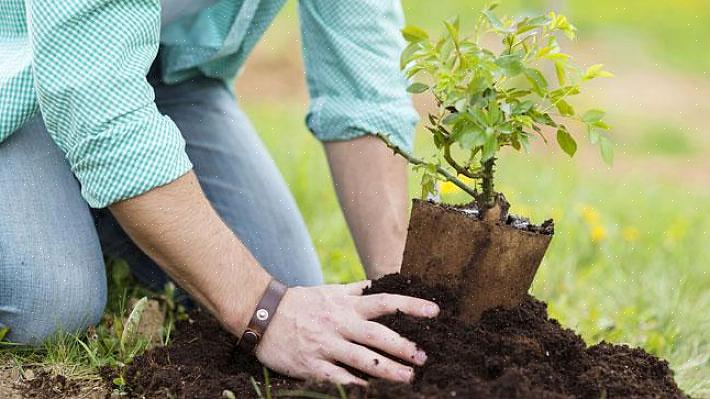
(90, 60)
(351, 51)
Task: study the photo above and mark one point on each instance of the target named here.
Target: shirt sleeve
(90, 60)
(351, 51)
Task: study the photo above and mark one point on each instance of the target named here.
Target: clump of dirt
(45, 384)
(516, 353)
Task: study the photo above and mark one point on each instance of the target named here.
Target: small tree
(487, 101)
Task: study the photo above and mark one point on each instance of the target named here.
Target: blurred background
(629, 262)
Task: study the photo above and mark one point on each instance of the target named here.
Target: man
(106, 149)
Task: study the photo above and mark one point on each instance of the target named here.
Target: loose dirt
(517, 353)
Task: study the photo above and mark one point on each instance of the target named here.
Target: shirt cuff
(128, 158)
(338, 119)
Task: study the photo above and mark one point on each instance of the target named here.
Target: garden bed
(516, 353)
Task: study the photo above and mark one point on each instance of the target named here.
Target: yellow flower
(556, 214)
(448, 187)
(630, 234)
(466, 180)
(598, 233)
(590, 215)
(677, 230)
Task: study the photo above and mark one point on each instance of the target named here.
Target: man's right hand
(313, 330)
(317, 328)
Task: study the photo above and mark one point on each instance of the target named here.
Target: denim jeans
(52, 274)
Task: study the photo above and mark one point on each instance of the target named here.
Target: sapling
(486, 100)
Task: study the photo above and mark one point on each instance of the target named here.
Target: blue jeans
(52, 274)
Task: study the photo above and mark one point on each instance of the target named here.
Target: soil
(515, 353)
(519, 222)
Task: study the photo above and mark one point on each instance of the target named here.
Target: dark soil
(519, 222)
(517, 353)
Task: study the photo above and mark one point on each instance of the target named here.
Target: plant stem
(487, 187)
(459, 169)
(416, 161)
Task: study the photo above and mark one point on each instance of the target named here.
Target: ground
(628, 262)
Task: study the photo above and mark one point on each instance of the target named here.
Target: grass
(628, 262)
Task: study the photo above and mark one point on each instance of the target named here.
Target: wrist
(237, 307)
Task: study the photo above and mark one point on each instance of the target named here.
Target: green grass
(627, 263)
(676, 34)
(629, 259)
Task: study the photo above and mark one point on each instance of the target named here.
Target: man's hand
(371, 183)
(313, 328)
(317, 327)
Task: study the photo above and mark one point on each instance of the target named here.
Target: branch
(459, 169)
(416, 161)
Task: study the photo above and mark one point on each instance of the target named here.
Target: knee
(40, 302)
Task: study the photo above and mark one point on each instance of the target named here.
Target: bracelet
(265, 311)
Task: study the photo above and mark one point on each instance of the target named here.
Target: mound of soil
(516, 353)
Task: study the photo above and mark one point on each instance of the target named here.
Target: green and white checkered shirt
(83, 63)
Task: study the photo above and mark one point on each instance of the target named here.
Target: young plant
(487, 100)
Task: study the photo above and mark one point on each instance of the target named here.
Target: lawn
(627, 263)
(629, 259)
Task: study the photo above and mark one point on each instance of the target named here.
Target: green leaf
(460, 104)
(537, 79)
(561, 73)
(596, 71)
(564, 107)
(428, 185)
(493, 20)
(408, 54)
(490, 146)
(414, 34)
(594, 135)
(545, 118)
(453, 28)
(607, 149)
(471, 138)
(593, 116)
(130, 329)
(3, 332)
(494, 113)
(450, 119)
(417, 88)
(566, 142)
(601, 125)
(511, 64)
(541, 20)
(523, 107)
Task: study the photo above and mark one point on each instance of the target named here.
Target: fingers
(357, 287)
(372, 363)
(377, 336)
(374, 306)
(326, 371)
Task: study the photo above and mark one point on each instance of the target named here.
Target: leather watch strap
(265, 311)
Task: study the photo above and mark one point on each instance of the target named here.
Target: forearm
(176, 226)
(371, 183)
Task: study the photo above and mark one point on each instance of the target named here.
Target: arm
(371, 183)
(177, 227)
(351, 51)
(90, 58)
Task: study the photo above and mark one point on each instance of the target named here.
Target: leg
(239, 178)
(52, 273)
